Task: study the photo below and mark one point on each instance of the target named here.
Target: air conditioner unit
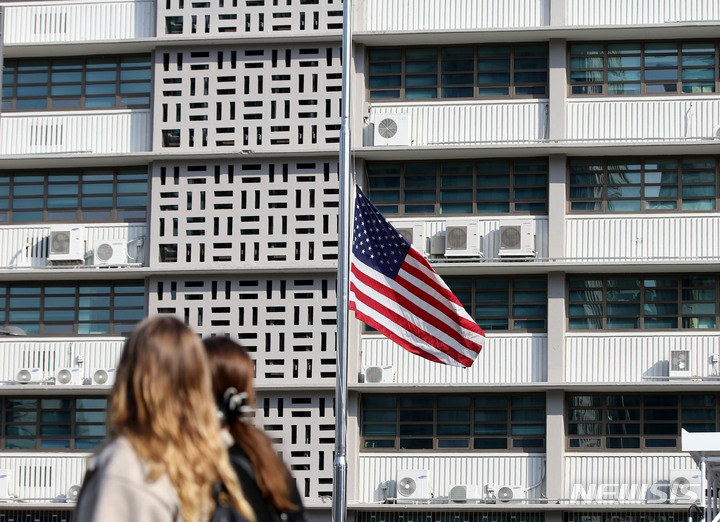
(505, 493)
(413, 486)
(103, 376)
(66, 245)
(73, 493)
(517, 240)
(684, 486)
(463, 493)
(679, 363)
(4, 483)
(462, 239)
(391, 129)
(414, 233)
(378, 374)
(113, 252)
(28, 375)
(68, 376)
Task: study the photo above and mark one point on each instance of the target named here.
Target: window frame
(54, 102)
(440, 72)
(642, 68)
(601, 167)
(642, 301)
(643, 421)
(510, 421)
(12, 180)
(36, 423)
(443, 174)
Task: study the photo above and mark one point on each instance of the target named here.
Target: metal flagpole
(339, 499)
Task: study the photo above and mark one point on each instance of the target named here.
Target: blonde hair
(162, 403)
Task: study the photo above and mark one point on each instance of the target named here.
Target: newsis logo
(658, 493)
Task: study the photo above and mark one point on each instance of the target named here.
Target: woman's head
(230, 367)
(162, 381)
(162, 403)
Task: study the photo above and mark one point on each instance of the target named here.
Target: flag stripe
(392, 291)
(403, 332)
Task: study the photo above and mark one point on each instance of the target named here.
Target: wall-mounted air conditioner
(505, 492)
(391, 129)
(462, 239)
(73, 493)
(684, 486)
(66, 245)
(28, 375)
(103, 376)
(112, 252)
(463, 493)
(379, 374)
(414, 233)
(517, 240)
(413, 486)
(4, 483)
(679, 363)
(68, 377)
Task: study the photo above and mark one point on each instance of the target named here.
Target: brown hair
(162, 403)
(231, 367)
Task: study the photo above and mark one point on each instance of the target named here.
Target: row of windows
(517, 422)
(458, 72)
(74, 195)
(52, 423)
(634, 421)
(620, 68)
(479, 422)
(91, 308)
(632, 302)
(517, 516)
(637, 185)
(459, 187)
(94, 82)
(502, 186)
(644, 68)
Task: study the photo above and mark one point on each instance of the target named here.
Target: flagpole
(339, 499)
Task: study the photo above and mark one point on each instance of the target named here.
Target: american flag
(395, 290)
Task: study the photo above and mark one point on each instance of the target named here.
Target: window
(94, 82)
(459, 187)
(53, 423)
(448, 515)
(90, 308)
(631, 516)
(426, 73)
(629, 68)
(453, 423)
(634, 421)
(636, 302)
(504, 303)
(74, 195)
(665, 184)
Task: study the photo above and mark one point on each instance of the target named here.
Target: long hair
(162, 403)
(231, 367)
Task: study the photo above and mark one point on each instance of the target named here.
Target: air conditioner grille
(407, 486)
(510, 237)
(457, 237)
(104, 252)
(387, 128)
(504, 494)
(373, 374)
(60, 242)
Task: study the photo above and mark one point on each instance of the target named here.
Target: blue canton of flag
(395, 290)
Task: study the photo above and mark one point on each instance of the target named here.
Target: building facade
(557, 161)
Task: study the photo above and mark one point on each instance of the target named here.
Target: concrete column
(557, 88)
(556, 327)
(557, 202)
(555, 446)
